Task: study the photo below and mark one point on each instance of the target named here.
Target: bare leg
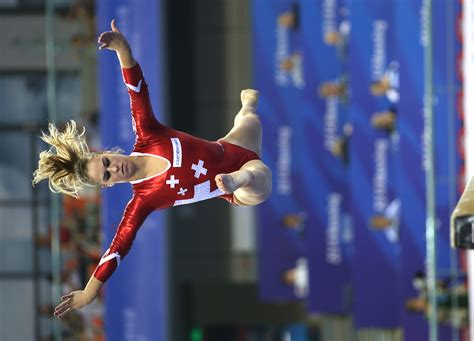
(247, 130)
(252, 183)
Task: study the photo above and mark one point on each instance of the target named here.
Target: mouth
(123, 169)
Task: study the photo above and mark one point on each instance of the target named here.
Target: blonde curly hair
(64, 163)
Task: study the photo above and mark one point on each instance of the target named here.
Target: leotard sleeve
(144, 121)
(134, 215)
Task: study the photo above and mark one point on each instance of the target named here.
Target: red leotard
(193, 165)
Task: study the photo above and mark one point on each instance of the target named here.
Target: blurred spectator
(293, 65)
(298, 278)
(389, 221)
(339, 38)
(84, 44)
(452, 299)
(452, 307)
(294, 221)
(291, 62)
(291, 18)
(385, 120)
(340, 147)
(81, 251)
(388, 85)
(337, 88)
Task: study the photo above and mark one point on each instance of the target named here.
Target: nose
(114, 167)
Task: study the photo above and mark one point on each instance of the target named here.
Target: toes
(249, 96)
(221, 184)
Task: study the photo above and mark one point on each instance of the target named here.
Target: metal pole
(430, 176)
(451, 118)
(52, 117)
(34, 226)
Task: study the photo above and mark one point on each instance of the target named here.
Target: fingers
(64, 312)
(105, 36)
(104, 39)
(113, 26)
(63, 308)
(65, 297)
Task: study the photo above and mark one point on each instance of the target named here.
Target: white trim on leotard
(150, 177)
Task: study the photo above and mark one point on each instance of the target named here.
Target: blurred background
(362, 105)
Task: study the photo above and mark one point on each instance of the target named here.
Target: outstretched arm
(134, 215)
(78, 299)
(144, 122)
(115, 40)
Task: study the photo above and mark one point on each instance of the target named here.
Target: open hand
(113, 40)
(72, 301)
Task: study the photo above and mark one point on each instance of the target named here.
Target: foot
(229, 183)
(249, 97)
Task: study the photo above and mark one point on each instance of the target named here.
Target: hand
(113, 40)
(72, 301)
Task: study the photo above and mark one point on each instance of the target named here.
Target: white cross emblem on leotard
(182, 191)
(201, 192)
(199, 169)
(172, 181)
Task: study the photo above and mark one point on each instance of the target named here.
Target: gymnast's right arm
(134, 215)
(144, 122)
(114, 40)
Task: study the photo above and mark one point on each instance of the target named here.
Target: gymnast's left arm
(134, 215)
(79, 298)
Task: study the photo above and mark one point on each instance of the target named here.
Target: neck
(147, 166)
(141, 166)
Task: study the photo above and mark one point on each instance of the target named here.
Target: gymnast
(166, 168)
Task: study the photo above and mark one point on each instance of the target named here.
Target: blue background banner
(322, 120)
(447, 127)
(448, 165)
(301, 126)
(374, 153)
(279, 247)
(363, 200)
(412, 187)
(446, 83)
(136, 304)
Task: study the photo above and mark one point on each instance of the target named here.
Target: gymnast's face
(108, 169)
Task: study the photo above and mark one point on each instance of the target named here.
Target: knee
(245, 199)
(266, 179)
(268, 173)
(260, 191)
(269, 184)
(267, 189)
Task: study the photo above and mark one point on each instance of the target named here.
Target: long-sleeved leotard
(193, 164)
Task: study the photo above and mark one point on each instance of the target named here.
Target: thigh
(246, 133)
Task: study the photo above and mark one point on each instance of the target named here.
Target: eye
(106, 163)
(106, 176)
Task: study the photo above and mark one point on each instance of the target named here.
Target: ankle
(248, 106)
